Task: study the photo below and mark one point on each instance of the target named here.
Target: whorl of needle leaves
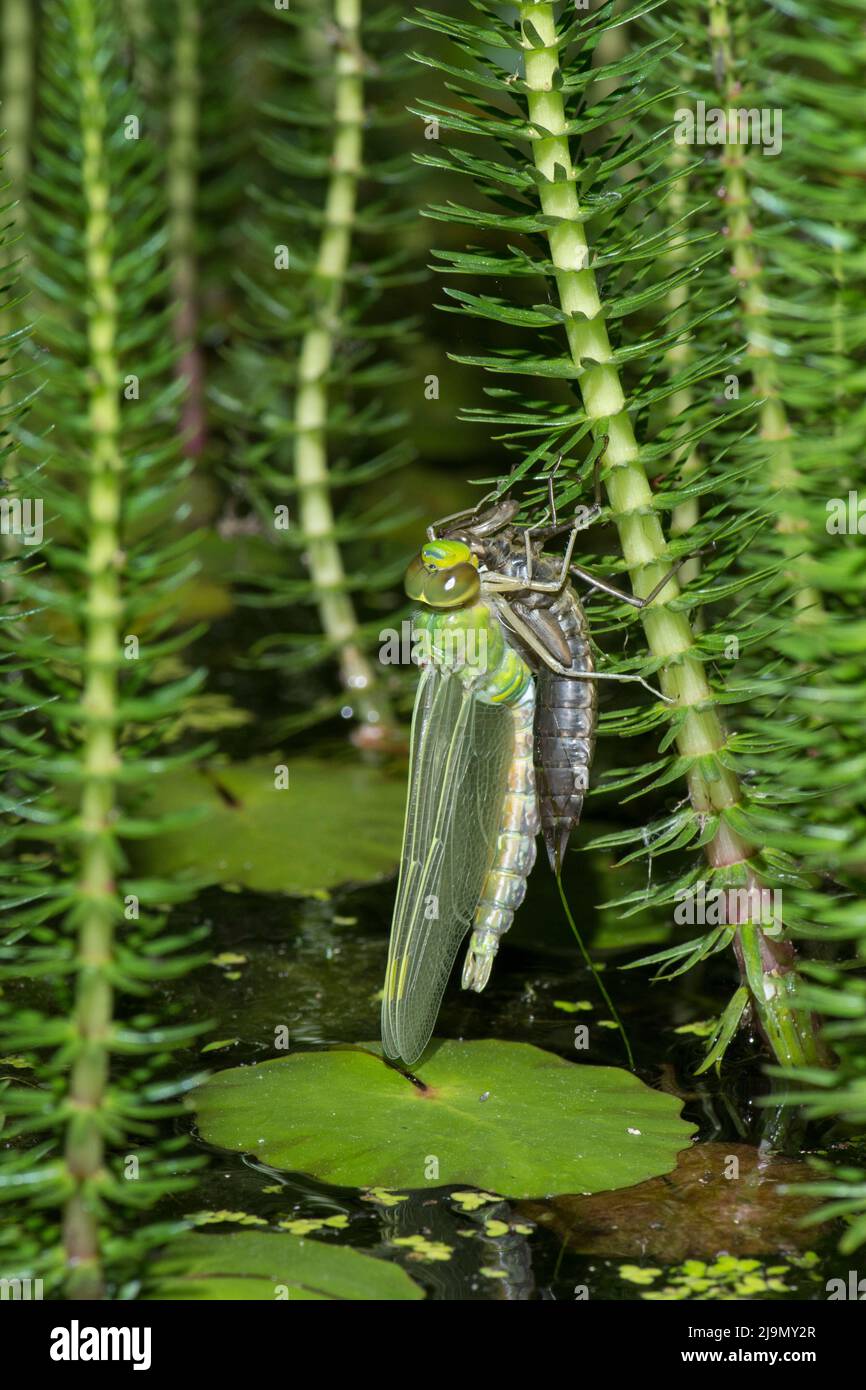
(93, 674)
(809, 220)
(662, 256)
(789, 283)
(355, 307)
(795, 234)
(625, 182)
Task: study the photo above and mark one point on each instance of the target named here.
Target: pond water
(315, 967)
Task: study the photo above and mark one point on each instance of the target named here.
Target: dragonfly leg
(531, 536)
(527, 540)
(551, 500)
(598, 583)
(561, 670)
(542, 534)
(505, 583)
(534, 534)
(547, 533)
(502, 514)
(457, 516)
(524, 631)
(553, 528)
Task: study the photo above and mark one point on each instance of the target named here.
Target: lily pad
(497, 1115)
(333, 823)
(254, 1265)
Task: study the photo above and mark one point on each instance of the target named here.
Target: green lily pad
(255, 1265)
(503, 1116)
(334, 823)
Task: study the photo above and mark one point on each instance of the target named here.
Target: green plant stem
(139, 23)
(182, 197)
(685, 515)
(336, 611)
(779, 1020)
(713, 788)
(17, 95)
(98, 906)
(16, 111)
(748, 274)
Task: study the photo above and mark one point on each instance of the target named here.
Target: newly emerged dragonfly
(502, 740)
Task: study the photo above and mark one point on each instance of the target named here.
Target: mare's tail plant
(16, 96)
(783, 198)
(577, 203)
(312, 370)
(84, 940)
(16, 92)
(200, 118)
(183, 163)
(794, 223)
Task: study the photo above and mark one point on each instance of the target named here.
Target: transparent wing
(458, 780)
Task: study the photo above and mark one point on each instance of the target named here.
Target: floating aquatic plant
(216, 219)
(407, 1131)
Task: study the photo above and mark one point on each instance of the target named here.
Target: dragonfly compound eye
(453, 588)
(443, 576)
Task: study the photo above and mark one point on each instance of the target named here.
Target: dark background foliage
(153, 398)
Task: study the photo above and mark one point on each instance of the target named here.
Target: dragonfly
(502, 741)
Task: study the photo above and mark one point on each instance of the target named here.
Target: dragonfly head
(444, 575)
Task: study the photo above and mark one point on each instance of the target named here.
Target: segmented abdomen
(565, 731)
(514, 854)
(566, 709)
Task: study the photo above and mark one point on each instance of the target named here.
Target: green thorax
(469, 642)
